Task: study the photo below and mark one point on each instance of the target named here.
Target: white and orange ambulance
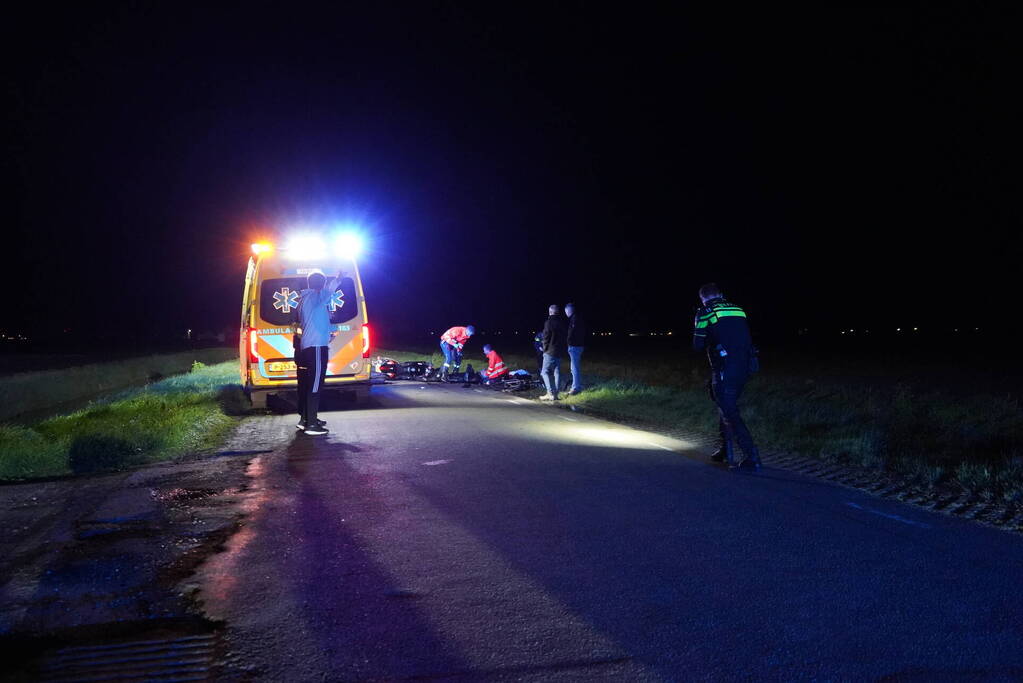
(273, 285)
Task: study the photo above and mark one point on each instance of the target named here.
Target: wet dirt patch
(114, 553)
(102, 564)
(179, 494)
(112, 529)
(196, 550)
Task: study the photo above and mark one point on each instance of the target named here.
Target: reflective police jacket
(456, 336)
(723, 331)
(496, 368)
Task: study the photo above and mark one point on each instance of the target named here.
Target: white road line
(660, 446)
(437, 462)
(897, 518)
(566, 417)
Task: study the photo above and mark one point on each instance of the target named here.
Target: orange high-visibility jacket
(496, 367)
(456, 336)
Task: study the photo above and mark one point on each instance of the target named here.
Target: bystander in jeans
(555, 345)
(576, 342)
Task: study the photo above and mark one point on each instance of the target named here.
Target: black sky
(829, 167)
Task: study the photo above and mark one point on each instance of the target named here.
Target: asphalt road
(448, 533)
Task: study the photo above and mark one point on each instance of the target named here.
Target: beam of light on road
(610, 436)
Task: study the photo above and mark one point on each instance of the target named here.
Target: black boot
(733, 464)
(752, 460)
(719, 455)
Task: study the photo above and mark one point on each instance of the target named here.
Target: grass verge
(25, 394)
(872, 418)
(167, 419)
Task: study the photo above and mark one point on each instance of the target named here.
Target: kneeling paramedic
(723, 331)
(311, 341)
(495, 366)
(451, 344)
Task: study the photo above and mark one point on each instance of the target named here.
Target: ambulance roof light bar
(348, 245)
(261, 248)
(305, 247)
(312, 247)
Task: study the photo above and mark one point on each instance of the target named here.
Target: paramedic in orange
(495, 365)
(451, 344)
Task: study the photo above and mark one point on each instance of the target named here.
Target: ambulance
(273, 285)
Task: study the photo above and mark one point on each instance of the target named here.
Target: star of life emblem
(285, 300)
(337, 300)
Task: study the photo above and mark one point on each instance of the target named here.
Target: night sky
(828, 167)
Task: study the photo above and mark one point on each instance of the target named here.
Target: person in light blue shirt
(312, 339)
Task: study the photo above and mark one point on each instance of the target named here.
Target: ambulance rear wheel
(258, 399)
(356, 395)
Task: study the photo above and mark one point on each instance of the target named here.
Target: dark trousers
(312, 369)
(726, 388)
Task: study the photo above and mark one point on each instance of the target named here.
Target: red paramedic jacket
(456, 336)
(496, 367)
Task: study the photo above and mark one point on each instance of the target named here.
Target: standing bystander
(555, 345)
(576, 342)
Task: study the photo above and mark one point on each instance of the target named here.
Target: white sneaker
(547, 397)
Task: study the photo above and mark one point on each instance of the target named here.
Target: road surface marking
(437, 462)
(897, 518)
(660, 446)
(566, 417)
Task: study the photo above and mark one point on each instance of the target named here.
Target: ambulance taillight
(365, 341)
(253, 358)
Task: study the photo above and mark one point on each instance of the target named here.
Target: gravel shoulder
(90, 560)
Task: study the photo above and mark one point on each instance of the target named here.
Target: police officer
(723, 332)
(538, 351)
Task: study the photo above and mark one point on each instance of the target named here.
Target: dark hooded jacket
(555, 336)
(576, 331)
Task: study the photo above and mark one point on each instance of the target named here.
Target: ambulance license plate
(281, 366)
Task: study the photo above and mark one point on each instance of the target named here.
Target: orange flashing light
(261, 248)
